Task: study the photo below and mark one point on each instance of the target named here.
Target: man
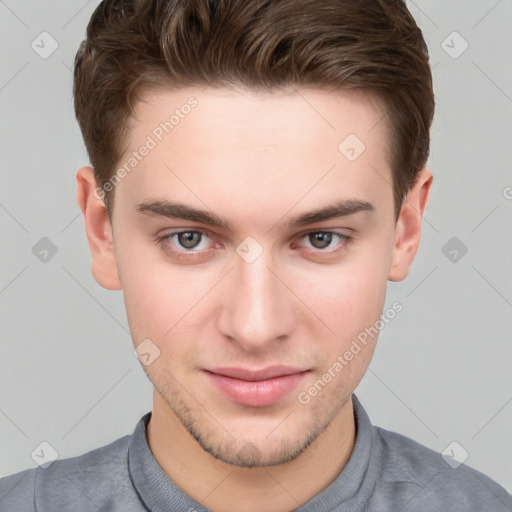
(258, 175)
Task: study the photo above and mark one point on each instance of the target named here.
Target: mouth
(256, 388)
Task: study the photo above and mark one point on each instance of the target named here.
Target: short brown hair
(133, 46)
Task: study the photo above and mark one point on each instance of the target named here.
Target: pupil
(320, 240)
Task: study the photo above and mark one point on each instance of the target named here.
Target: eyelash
(163, 241)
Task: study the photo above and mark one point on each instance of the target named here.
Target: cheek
(350, 304)
(161, 302)
(347, 297)
(157, 294)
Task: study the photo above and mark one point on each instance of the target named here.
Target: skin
(257, 160)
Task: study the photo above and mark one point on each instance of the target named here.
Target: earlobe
(408, 227)
(98, 230)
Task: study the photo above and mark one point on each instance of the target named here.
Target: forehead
(250, 148)
(267, 117)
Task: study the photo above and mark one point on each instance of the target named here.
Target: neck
(226, 488)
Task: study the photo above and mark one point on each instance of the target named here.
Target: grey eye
(189, 239)
(320, 240)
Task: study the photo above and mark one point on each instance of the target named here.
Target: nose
(258, 309)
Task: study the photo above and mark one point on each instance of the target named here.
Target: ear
(408, 227)
(98, 229)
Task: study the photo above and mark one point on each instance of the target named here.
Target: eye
(183, 242)
(321, 240)
(188, 239)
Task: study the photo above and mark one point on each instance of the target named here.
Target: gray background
(442, 369)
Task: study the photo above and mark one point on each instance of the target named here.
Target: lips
(256, 387)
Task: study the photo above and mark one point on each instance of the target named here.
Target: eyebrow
(164, 208)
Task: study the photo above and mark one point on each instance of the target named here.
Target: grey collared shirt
(386, 472)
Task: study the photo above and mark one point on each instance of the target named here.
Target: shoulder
(17, 491)
(429, 482)
(68, 482)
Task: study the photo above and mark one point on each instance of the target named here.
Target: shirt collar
(352, 488)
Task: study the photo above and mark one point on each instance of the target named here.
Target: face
(256, 233)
